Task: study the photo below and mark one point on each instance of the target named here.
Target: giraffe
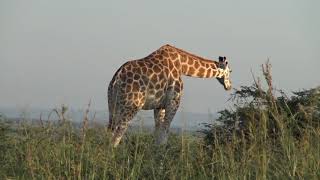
(154, 83)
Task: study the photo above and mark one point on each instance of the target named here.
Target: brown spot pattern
(208, 73)
(191, 70)
(135, 86)
(201, 72)
(190, 61)
(157, 69)
(184, 68)
(136, 77)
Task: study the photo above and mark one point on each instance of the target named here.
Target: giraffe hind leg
(122, 125)
(113, 114)
(113, 96)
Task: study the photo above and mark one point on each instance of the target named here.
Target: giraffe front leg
(164, 119)
(159, 132)
(165, 116)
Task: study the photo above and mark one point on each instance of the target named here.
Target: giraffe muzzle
(228, 88)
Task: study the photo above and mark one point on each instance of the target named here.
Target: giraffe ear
(220, 59)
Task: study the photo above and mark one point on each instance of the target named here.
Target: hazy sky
(54, 52)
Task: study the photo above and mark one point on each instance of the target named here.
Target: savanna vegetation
(266, 135)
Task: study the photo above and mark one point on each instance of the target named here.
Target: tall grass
(267, 134)
(263, 137)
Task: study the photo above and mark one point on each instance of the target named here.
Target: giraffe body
(154, 83)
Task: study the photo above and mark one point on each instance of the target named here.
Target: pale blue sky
(54, 52)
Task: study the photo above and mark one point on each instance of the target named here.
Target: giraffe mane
(193, 55)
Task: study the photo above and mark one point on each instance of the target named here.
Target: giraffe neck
(195, 66)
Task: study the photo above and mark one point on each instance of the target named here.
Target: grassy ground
(263, 138)
(60, 152)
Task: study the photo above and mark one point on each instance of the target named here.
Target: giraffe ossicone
(154, 83)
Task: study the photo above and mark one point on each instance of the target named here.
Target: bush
(259, 111)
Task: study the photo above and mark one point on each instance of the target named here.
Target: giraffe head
(224, 73)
